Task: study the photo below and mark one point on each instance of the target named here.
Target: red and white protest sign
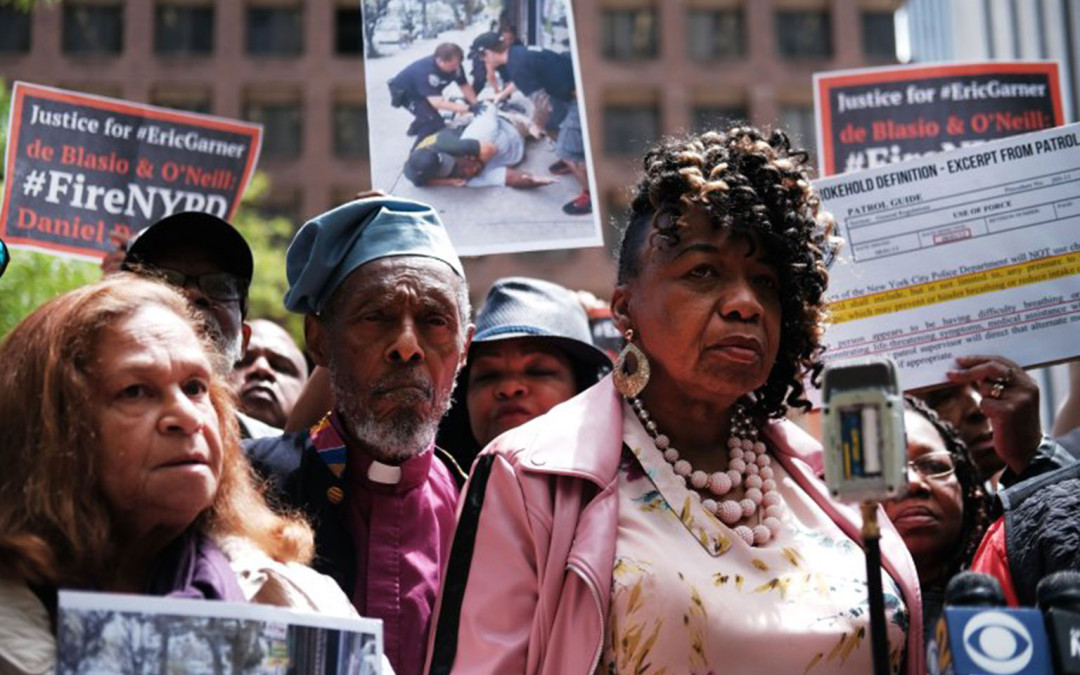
(876, 116)
(80, 168)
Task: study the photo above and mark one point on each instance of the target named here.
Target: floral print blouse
(690, 597)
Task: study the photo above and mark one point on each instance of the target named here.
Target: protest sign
(877, 116)
(973, 251)
(80, 168)
(109, 633)
(493, 170)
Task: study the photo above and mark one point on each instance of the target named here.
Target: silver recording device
(865, 454)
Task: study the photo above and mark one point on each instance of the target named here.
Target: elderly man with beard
(387, 313)
(208, 260)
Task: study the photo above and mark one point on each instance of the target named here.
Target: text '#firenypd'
(71, 189)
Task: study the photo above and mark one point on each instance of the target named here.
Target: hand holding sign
(1010, 398)
(113, 259)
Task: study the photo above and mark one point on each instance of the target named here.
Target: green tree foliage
(26, 5)
(268, 239)
(34, 278)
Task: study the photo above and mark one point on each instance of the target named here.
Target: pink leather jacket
(534, 598)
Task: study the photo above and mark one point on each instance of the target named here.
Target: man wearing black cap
(209, 261)
(387, 313)
(533, 70)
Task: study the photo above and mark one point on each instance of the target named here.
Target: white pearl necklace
(748, 467)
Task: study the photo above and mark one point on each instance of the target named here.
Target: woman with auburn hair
(123, 470)
(669, 519)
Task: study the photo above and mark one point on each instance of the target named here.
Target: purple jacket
(533, 596)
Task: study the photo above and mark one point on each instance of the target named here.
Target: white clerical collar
(384, 473)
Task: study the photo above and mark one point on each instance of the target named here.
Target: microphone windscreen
(972, 589)
(1060, 590)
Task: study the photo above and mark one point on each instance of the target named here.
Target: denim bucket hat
(519, 307)
(329, 247)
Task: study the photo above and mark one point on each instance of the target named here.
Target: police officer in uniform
(532, 70)
(419, 88)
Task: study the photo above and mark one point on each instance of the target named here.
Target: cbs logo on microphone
(998, 643)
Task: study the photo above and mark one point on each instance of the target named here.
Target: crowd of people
(493, 488)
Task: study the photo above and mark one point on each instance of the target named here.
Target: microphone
(865, 461)
(977, 635)
(1059, 598)
(972, 589)
(864, 450)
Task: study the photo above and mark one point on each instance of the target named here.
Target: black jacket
(1042, 524)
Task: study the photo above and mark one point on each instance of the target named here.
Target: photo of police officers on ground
(474, 107)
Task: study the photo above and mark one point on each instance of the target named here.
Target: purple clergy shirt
(402, 532)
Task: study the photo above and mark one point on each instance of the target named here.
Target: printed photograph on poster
(81, 169)
(971, 251)
(134, 634)
(877, 116)
(476, 108)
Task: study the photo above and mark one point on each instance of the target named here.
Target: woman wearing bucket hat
(532, 350)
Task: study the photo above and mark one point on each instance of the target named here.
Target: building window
(349, 30)
(281, 128)
(14, 31)
(275, 31)
(717, 117)
(93, 29)
(350, 131)
(195, 100)
(630, 129)
(879, 35)
(798, 122)
(715, 34)
(629, 34)
(183, 29)
(804, 34)
(95, 88)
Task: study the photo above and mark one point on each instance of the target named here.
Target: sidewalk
(489, 217)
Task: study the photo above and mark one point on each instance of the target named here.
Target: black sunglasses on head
(217, 285)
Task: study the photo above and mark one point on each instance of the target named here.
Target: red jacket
(534, 598)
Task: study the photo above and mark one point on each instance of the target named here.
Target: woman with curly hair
(945, 513)
(668, 519)
(123, 471)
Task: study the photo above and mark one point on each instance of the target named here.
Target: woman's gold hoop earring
(631, 372)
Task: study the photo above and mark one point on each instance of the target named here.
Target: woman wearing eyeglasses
(944, 514)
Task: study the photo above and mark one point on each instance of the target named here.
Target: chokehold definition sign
(80, 168)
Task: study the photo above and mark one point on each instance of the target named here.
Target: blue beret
(330, 246)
